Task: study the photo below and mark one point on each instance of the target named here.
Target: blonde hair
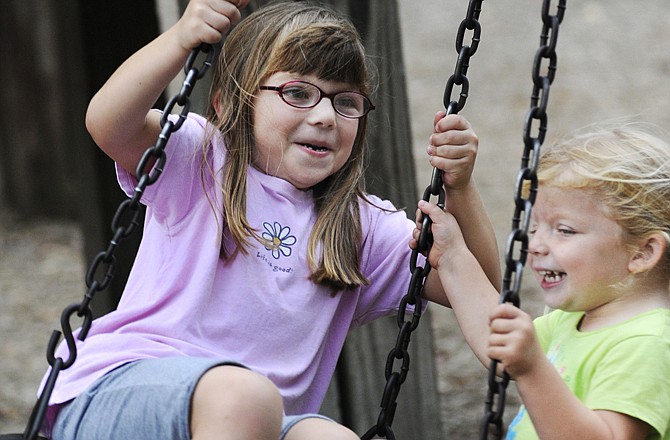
(626, 165)
(300, 38)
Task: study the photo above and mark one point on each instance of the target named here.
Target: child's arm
(453, 150)
(468, 290)
(555, 411)
(119, 117)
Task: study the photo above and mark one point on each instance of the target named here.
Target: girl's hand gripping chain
(447, 237)
(513, 340)
(453, 149)
(206, 21)
(129, 94)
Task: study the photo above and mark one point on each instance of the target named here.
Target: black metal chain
(492, 422)
(400, 353)
(103, 267)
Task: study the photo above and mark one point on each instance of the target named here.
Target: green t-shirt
(623, 368)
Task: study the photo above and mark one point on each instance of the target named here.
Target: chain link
(492, 422)
(400, 353)
(104, 263)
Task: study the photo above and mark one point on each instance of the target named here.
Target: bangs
(323, 50)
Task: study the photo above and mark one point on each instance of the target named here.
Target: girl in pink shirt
(261, 249)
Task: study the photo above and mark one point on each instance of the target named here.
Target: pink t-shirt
(259, 309)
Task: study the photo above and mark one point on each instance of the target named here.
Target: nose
(323, 113)
(537, 244)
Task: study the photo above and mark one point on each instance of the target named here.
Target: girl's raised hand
(453, 149)
(206, 21)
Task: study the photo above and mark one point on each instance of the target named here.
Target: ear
(216, 103)
(650, 251)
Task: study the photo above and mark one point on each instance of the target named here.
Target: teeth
(552, 277)
(315, 147)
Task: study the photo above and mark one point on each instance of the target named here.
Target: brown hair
(300, 38)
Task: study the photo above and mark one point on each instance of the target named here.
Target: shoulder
(193, 143)
(373, 208)
(630, 376)
(190, 152)
(385, 231)
(193, 127)
(654, 324)
(381, 217)
(638, 339)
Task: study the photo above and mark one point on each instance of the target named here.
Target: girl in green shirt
(598, 365)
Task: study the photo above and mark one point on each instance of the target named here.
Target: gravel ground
(613, 60)
(41, 272)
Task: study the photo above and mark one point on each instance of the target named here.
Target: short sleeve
(385, 260)
(633, 379)
(180, 184)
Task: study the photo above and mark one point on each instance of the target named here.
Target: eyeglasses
(301, 94)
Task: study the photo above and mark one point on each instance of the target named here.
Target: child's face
(576, 251)
(300, 145)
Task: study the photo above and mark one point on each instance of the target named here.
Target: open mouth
(313, 147)
(550, 276)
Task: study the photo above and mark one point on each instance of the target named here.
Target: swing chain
(105, 262)
(525, 193)
(395, 379)
(459, 78)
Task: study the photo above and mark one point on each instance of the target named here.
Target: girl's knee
(230, 396)
(311, 428)
(238, 381)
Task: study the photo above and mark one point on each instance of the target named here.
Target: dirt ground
(613, 61)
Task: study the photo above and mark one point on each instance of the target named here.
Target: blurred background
(613, 62)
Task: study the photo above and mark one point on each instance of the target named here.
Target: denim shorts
(147, 399)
